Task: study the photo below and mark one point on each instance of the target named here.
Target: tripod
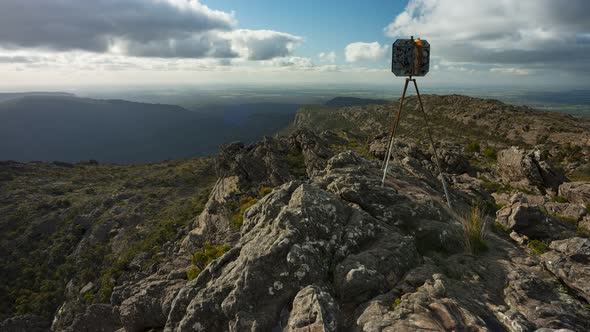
(394, 129)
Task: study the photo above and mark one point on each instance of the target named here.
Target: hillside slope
(298, 234)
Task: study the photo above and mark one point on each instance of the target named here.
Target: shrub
(396, 302)
(490, 154)
(473, 147)
(296, 163)
(538, 247)
(264, 191)
(474, 229)
(207, 254)
(245, 202)
(193, 272)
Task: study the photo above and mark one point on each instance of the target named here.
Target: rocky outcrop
(531, 221)
(291, 238)
(576, 192)
(146, 304)
(314, 309)
(529, 170)
(569, 260)
(97, 318)
(573, 212)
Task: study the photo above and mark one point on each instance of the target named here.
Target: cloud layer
(144, 28)
(531, 33)
(364, 51)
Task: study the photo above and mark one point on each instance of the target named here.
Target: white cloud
(364, 51)
(547, 33)
(294, 62)
(262, 44)
(327, 56)
(510, 70)
(142, 28)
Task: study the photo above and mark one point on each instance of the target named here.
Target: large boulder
(527, 169)
(97, 318)
(314, 309)
(531, 221)
(146, 304)
(576, 192)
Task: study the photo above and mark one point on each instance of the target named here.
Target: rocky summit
(296, 232)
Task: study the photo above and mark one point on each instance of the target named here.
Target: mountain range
(67, 128)
(297, 231)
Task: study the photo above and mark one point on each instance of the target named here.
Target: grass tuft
(474, 229)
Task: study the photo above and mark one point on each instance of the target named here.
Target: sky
(53, 44)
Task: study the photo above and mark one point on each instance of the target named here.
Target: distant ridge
(67, 128)
(14, 95)
(353, 101)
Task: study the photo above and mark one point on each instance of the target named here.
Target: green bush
(245, 202)
(473, 147)
(264, 191)
(490, 154)
(560, 199)
(474, 229)
(538, 247)
(296, 163)
(396, 302)
(207, 254)
(193, 272)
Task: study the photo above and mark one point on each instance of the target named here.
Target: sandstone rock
(575, 212)
(528, 170)
(538, 298)
(576, 192)
(569, 261)
(146, 304)
(97, 318)
(315, 310)
(532, 222)
(286, 242)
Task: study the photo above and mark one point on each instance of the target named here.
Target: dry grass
(474, 224)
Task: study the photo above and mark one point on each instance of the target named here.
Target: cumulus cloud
(142, 28)
(327, 56)
(262, 44)
(525, 32)
(364, 51)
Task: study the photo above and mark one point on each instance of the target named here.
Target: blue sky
(325, 25)
(135, 42)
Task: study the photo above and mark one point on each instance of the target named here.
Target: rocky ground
(297, 233)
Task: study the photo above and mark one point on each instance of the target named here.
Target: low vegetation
(395, 303)
(49, 208)
(207, 254)
(538, 247)
(474, 225)
(264, 191)
(296, 164)
(238, 218)
(473, 147)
